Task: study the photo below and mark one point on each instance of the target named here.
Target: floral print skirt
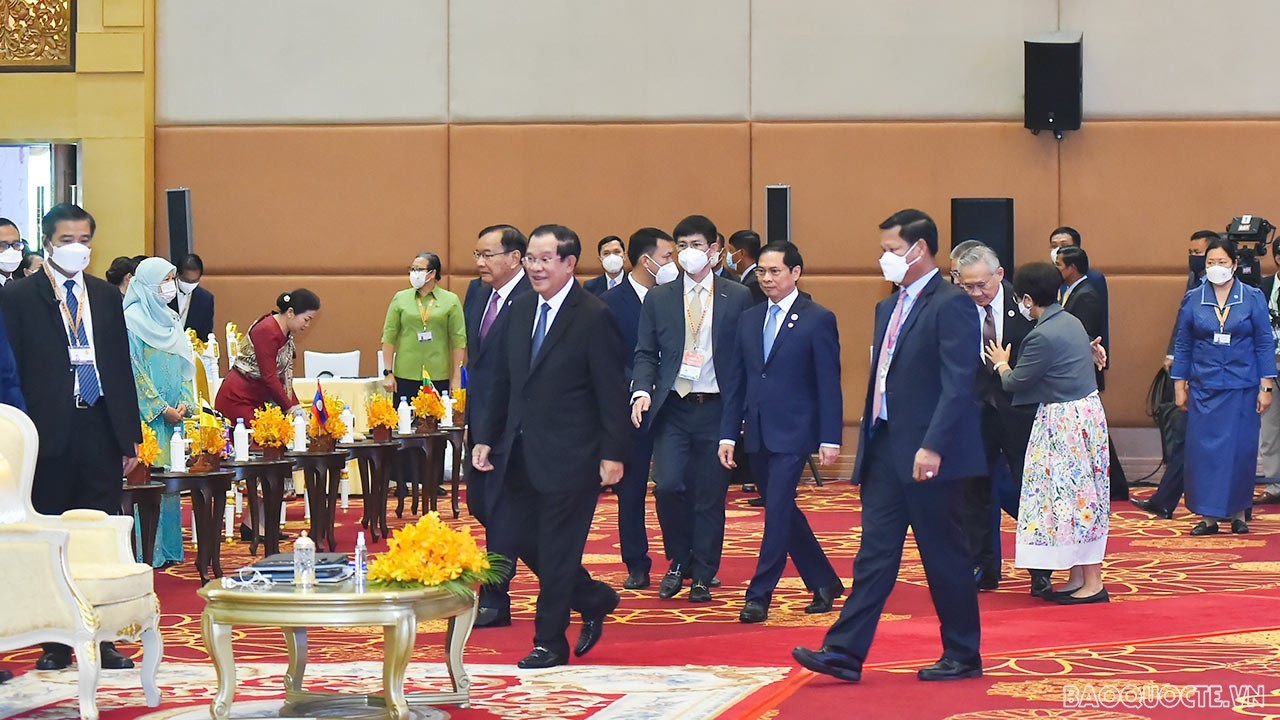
(1066, 495)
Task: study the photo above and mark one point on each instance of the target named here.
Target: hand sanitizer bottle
(299, 433)
(348, 419)
(177, 452)
(361, 561)
(304, 561)
(240, 439)
(406, 417)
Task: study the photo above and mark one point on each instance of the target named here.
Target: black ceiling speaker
(1054, 90)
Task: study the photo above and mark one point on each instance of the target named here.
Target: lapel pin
(795, 316)
(1010, 313)
(791, 325)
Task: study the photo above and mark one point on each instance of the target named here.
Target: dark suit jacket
(753, 284)
(599, 284)
(200, 314)
(1016, 328)
(660, 339)
(929, 388)
(625, 304)
(10, 384)
(569, 405)
(791, 401)
(481, 358)
(728, 274)
(39, 340)
(1090, 308)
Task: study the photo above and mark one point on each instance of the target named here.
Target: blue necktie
(771, 329)
(540, 331)
(90, 391)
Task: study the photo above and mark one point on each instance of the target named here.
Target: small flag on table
(426, 382)
(464, 378)
(318, 409)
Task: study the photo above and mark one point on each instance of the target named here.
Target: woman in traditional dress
(1063, 513)
(262, 371)
(1224, 371)
(163, 372)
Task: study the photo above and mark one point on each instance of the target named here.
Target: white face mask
(10, 260)
(72, 258)
(894, 266)
(186, 288)
(612, 264)
(693, 260)
(665, 274)
(1218, 274)
(1024, 310)
(417, 278)
(1053, 256)
(168, 291)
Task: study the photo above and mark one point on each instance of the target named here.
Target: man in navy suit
(10, 384)
(743, 258)
(650, 250)
(193, 304)
(611, 254)
(786, 386)
(499, 252)
(920, 440)
(687, 339)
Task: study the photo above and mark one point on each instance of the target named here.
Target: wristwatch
(386, 373)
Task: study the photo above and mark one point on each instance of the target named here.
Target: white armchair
(69, 579)
(339, 365)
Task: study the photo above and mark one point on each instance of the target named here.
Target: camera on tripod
(1252, 236)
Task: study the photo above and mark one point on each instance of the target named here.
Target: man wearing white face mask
(69, 339)
(11, 249)
(193, 303)
(611, 258)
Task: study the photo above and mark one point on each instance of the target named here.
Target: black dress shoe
(488, 617)
(948, 669)
(636, 580)
(699, 592)
(593, 627)
(1148, 506)
(112, 659)
(54, 659)
(1041, 583)
(5, 676)
(541, 658)
(824, 598)
(671, 582)
(829, 661)
(715, 582)
(688, 575)
(1068, 599)
(756, 502)
(986, 578)
(246, 532)
(1206, 528)
(1239, 527)
(753, 612)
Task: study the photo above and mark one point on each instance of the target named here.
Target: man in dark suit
(649, 250)
(194, 304)
(10, 383)
(72, 351)
(743, 258)
(785, 385)
(611, 256)
(12, 248)
(1066, 236)
(687, 339)
(719, 265)
(920, 441)
(560, 437)
(1006, 428)
(499, 254)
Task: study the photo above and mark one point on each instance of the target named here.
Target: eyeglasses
(418, 269)
(486, 256)
(531, 262)
(975, 287)
(773, 272)
(15, 245)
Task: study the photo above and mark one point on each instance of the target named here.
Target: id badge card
(1222, 338)
(691, 366)
(81, 355)
(880, 381)
(424, 336)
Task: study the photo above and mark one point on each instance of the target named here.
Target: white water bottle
(177, 452)
(349, 420)
(304, 561)
(299, 433)
(240, 440)
(361, 561)
(406, 417)
(448, 409)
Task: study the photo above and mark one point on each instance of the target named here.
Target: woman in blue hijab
(163, 370)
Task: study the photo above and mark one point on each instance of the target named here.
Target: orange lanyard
(73, 323)
(695, 329)
(425, 315)
(1222, 312)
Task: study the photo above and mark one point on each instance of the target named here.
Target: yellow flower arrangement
(459, 404)
(149, 448)
(333, 427)
(381, 413)
(208, 435)
(430, 553)
(427, 403)
(271, 428)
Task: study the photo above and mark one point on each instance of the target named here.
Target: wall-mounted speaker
(987, 220)
(181, 239)
(777, 213)
(1052, 74)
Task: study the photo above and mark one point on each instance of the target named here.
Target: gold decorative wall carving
(37, 35)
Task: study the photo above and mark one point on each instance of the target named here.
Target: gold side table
(294, 610)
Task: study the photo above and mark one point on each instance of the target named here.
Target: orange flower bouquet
(148, 454)
(322, 437)
(382, 417)
(271, 428)
(210, 438)
(432, 554)
(428, 408)
(459, 405)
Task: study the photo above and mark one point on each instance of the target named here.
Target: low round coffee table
(293, 610)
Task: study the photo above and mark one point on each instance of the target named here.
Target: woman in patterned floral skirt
(1063, 513)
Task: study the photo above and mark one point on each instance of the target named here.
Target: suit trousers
(1005, 434)
(550, 532)
(1172, 483)
(633, 535)
(786, 529)
(492, 514)
(88, 475)
(690, 484)
(890, 504)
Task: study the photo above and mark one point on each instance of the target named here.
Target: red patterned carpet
(1190, 617)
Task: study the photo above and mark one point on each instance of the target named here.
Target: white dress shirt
(82, 297)
(641, 291)
(612, 281)
(504, 293)
(555, 301)
(913, 293)
(706, 382)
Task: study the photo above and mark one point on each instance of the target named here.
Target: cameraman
(1269, 438)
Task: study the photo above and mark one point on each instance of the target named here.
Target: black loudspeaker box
(987, 220)
(1053, 67)
(777, 213)
(178, 204)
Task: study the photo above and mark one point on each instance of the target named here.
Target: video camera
(1252, 236)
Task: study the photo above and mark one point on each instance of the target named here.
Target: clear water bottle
(406, 416)
(348, 419)
(361, 561)
(299, 433)
(240, 439)
(177, 452)
(304, 561)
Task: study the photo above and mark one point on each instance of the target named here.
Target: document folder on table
(279, 567)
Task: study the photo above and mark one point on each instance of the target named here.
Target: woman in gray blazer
(1066, 497)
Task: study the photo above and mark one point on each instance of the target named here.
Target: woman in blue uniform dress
(1224, 368)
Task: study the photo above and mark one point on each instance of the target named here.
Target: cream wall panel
(819, 59)
(1193, 58)
(301, 61)
(599, 60)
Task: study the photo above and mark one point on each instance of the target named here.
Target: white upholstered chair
(70, 579)
(339, 365)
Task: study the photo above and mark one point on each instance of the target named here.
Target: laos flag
(318, 409)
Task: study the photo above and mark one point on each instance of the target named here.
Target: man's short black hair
(913, 226)
(64, 212)
(644, 242)
(512, 239)
(1067, 230)
(191, 261)
(6, 222)
(608, 239)
(696, 225)
(790, 253)
(567, 242)
(1075, 256)
(1204, 235)
(748, 241)
(1040, 280)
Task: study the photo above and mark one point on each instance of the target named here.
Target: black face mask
(1197, 264)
